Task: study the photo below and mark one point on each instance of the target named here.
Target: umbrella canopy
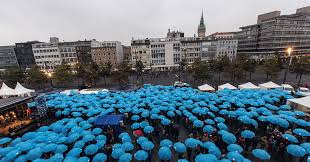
(206, 157)
(229, 138)
(125, 157)
(208, 129)
(234, 147)
(99, 157)
(261, 154)
(5, 140)
(147, 145)
(141, 155)
(191, 142)
(247, 134)
(179, 147)
(296, 150)
(138, 133)
(290, 138)
(148, 129)
(127, 146)
(140, 140)
(166, 143)
(306, 146)
(236, 156)
(198, 123)
(301, 132)
(164, 153)
(117, 152)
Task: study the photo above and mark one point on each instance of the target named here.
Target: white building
(227, 44)
(68, 52)
(47, 55)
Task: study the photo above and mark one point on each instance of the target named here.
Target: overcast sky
(23, 20)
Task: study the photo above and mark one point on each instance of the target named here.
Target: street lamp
(49, 76)
(289, 52)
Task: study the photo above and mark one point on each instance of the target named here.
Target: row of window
(47, 56)
(158, 51)
(109, 58)
(158, 55)
(69, 49)
(103, 54)
(45, 51)
(48, 62)
(69, 60)
(158, 62)
(157, 45)
(68, 55)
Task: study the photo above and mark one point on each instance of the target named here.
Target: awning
(226, 86)
(6, 91)
(206, 87)
(270, 85)
(248, 85)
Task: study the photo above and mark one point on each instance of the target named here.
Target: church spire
(201, 27)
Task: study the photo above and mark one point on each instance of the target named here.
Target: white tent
(227, 86)
(6, 91)
(206, 87)
(22, 91)
(70, 91)
(248, 85)
(270, 85)
(93, 91)
(302, 104)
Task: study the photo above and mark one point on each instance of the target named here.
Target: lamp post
(289, 52)
(49, 76)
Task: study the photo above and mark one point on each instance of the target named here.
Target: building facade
(107, 52)
(68, 53)
(127, 53)
(83, 51)
(24, 54)
(227, 44)
(140, 51)
(7, 57)
(274, 33)
(47, 55)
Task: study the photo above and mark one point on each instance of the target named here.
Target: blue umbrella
(261, 154)
(296, 150)
(165, 121)
(61, 149)
(140, 140)
(290, 138)
(122, 135)
(147, 145)
(164, 153)
(219, 119)
(301, 132)
(83, 159)
(183, 160)
(96, 131)
(191, 142)
(117, 152)
(144, 124)
(215, 151)
(34, 154)
(236, 156)
(179, 147)
(208, 144)
(5, 140)
(127, 146)
(222, 126)
(127, 157)
(141, 155)
(24, 146)
(88, 138)
(306, 146)
(49, 147)
(99, 157)
(135, 126)
(11, 155)
(135, 117)
(91, 149)
(208, 129)
(166, 143)
(247, 134)
(206, 158)
(148, 129)
(234, 147)
(57, 157)
(198, 123)
(209, 121)
(229, 138)
(126, 139)
(74, 152)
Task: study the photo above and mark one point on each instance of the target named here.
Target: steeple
(201, 27)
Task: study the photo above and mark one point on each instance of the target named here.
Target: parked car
(303, 91)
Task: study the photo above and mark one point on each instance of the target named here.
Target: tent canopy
(270, 85)
(302, 104)
(206, 87)
(106, 120)
(227, 85)
(286, 86)
(248, 85)
(6, 91)
(20, 90)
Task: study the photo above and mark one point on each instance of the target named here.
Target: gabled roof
(19, 89)
(6, 91)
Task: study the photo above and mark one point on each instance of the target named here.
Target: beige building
(107, 52)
